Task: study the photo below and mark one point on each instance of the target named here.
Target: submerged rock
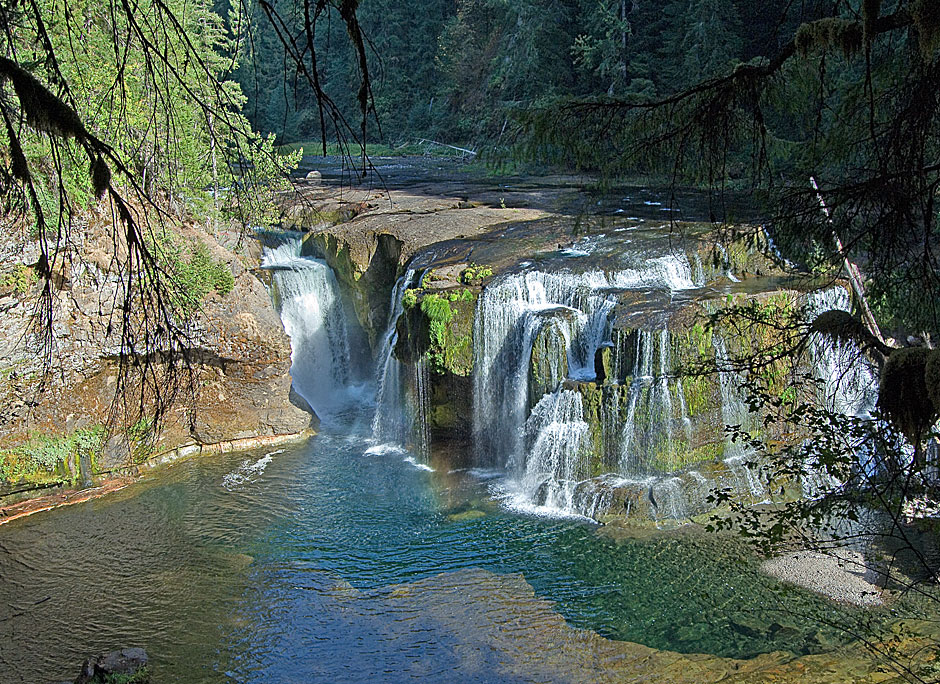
(127, 665)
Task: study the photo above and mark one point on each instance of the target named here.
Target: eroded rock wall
(65, 418)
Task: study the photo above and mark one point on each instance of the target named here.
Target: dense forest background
(457, 70)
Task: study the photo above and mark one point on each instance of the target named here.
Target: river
(287, 567)
(340, 560)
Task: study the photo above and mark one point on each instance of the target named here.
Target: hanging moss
(903, 395)
(842, 326)
(932, 378)
(926, 17)
(828, 34)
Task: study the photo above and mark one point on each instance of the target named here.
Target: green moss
(904, 395)
(21, 279)
(475, 274)
(141, 438)
(700, 338)
(49, 458)
(443, 417)
(409, 299)
(450, 332)
(829, 33)
(679, 454)
(142, 676)
(699, 392)
(604, 409)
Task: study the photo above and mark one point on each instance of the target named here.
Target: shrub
(475, 274)
(43, 454)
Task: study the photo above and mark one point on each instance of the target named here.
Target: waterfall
(734, 412)
(390, 424)
(421, 433)
(555, 441)
(542, 450)
(850, 380)
(308, 299)
(647, 434)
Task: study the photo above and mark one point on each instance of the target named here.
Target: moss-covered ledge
(51, 494)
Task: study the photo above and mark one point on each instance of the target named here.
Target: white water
(556, 447)
(309, 302)
(390, 421)
(541, 443)
(652, 418)
(248, 471)
(541, 451)
(850, 380)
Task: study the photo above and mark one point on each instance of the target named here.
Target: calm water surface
(282, 567)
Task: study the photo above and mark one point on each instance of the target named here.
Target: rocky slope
(62, 422)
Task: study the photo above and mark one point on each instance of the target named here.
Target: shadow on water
(326, 562)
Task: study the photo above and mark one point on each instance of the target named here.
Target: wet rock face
(239, 360)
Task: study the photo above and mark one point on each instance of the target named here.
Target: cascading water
(390, 423)
(735, 414)
(647, 431)
(850, 380)
(421, 440)
(308, 299)
(541, 450)
(555, 444)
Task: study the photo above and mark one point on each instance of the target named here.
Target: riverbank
(118, 481)
(840, 574)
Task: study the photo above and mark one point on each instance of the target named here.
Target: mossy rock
(438, 326)
(413, 336)
(604, 359)
(442, 417)
(451, 408)
(548, 363)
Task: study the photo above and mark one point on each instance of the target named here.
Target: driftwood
(855, 277)
(471, 153)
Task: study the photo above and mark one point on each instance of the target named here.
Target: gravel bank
(842, 575)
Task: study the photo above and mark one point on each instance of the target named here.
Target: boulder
(130, 664)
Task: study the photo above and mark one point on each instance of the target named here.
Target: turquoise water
(282, 567)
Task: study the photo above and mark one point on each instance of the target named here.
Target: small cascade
(734, 412)
(390, 422)
(555, 444)
(726, 263)
(514, 310)
(421, 432)
(647, 443)
(850, 380)
(308, 299)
